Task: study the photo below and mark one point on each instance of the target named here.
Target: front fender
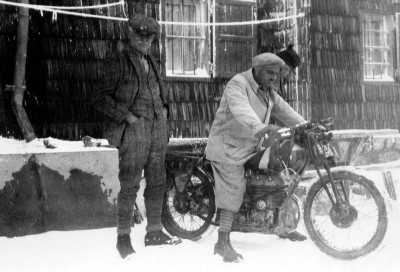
(378, 177)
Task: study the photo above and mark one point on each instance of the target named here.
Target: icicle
(54, 16)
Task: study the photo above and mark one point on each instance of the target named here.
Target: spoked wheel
(353, 230)
(189, 205)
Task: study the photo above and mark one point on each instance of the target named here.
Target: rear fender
(206, 169)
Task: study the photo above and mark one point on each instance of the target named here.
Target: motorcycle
(344, 213)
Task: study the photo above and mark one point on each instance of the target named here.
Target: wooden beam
(19, 74)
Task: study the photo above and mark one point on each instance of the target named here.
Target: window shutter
(235, 44)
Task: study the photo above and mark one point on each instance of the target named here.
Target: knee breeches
(230, 185)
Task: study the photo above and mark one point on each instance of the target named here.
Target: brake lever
(327, 122)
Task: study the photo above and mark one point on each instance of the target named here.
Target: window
(187, 46)
(198, 49)
(378, 46)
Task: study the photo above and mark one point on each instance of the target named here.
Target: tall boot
(224, 248)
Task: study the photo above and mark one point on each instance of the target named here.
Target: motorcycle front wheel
(353, 231)
(189, 205)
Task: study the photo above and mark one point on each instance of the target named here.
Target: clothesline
(64, 10)
(31, 6)
(234, 23)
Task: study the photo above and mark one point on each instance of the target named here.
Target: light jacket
(240, 116)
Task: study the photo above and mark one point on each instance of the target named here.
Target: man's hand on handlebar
(270, 130)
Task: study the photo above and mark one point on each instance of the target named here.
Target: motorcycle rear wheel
(349, 235)
(188, 210)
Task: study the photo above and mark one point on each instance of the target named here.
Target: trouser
(143, 148)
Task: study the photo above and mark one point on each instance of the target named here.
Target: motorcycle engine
(260, 210)
(266, 191)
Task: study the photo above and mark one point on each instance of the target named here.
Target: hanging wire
(64, 10)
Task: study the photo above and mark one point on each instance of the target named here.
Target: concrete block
(366, 147)
(65, 188)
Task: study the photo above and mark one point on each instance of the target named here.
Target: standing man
(133, 99)
(241, 122)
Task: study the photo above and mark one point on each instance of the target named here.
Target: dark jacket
(116, 90)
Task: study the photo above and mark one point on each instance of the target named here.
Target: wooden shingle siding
(382, 100)
(192, 106)
(335, 63)
(338, 88)
(65, 58)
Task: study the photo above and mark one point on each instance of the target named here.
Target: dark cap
(143, 25)
(290, 56)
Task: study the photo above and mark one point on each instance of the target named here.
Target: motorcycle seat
(190, 145)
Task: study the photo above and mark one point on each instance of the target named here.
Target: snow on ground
(94, 250)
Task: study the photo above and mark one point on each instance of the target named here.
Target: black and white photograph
(199, 135)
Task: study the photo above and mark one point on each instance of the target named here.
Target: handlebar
(321, 125)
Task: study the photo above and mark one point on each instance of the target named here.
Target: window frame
(184, 41)
(213, 35)
(391, 48)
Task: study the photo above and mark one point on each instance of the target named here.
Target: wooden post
(19, 74)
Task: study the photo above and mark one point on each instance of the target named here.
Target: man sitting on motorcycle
(241, 124)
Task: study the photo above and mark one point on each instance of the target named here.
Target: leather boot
(224, 248)
(124, 245)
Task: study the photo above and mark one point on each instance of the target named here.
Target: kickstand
(137, 215)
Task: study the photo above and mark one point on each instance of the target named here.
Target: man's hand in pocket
(131, 118)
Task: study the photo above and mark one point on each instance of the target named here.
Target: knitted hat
(290, 56)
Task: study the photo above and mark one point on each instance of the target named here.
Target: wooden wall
(338, 89)
(335, 62)
(274, 37)
(381, 101)
(64, 59)
(192, 106)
